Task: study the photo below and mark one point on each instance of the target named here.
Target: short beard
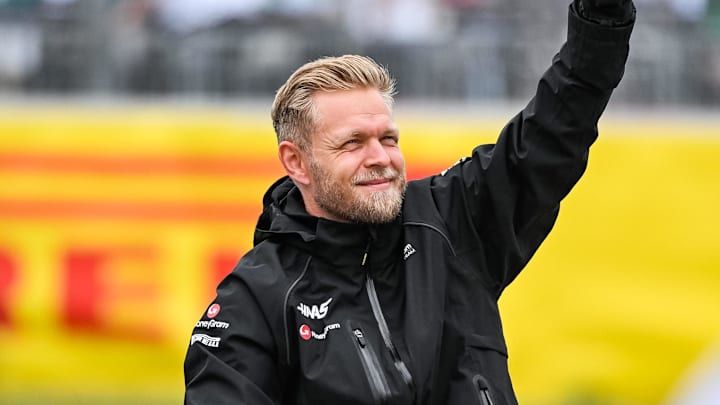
(342, 201)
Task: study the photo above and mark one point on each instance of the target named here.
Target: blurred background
(136, 143)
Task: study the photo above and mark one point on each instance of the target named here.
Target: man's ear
(293, 160)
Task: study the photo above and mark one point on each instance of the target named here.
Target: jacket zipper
(378, 383)
(482, 391)
(484, 396)
(382, 324)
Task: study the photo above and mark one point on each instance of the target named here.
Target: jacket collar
(285, 219)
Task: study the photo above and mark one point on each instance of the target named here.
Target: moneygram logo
(213, 310)
(212, 324)
(306, 333)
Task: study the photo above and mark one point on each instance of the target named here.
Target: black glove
(606, 12)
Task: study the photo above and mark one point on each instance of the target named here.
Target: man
(364, 289)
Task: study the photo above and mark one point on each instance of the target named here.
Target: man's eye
(390, 140)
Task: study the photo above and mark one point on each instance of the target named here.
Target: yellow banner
(116, 226)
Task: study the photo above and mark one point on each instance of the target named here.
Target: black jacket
(320, 312)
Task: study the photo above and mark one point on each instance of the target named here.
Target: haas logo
(314, 312)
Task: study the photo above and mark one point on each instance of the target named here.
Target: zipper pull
(365, 253)
(482, 390)
(360, 337)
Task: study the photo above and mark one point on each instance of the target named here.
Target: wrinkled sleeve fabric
(501, 203)
(232, 357)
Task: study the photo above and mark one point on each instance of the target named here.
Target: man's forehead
(351, 101)
(357, 125)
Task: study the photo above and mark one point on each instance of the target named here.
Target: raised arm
(511, 190)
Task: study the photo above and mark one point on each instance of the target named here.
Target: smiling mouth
(379, 185)
(375, 182)
(376, 179)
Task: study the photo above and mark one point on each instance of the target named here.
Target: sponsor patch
(209, 341)
(408, 251)
(306, 333)
(212, 324)
(213, 310)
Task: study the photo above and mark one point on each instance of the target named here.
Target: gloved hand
(606, 12)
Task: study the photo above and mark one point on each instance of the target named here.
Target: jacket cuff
(596, 53)
(613, 16)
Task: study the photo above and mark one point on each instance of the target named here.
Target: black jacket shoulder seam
(436, 229)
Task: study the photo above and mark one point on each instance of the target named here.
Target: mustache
(387, 173)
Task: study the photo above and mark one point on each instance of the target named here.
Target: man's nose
(376, 154)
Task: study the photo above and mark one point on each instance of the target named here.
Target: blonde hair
(293, 112)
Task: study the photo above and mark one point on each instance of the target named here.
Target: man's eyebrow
(360, 133)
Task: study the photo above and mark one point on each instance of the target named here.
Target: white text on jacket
(314, 312)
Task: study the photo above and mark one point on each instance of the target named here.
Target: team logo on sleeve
(314, 311)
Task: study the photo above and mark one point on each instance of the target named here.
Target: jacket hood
(284, 213)
(285, 220)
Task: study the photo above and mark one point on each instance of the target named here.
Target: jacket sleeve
(501, 203)
(231, 358)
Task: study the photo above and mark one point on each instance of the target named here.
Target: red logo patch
(305, 332)
(213, 310)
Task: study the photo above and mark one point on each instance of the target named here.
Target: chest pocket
(483, 343)
(349, 365)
